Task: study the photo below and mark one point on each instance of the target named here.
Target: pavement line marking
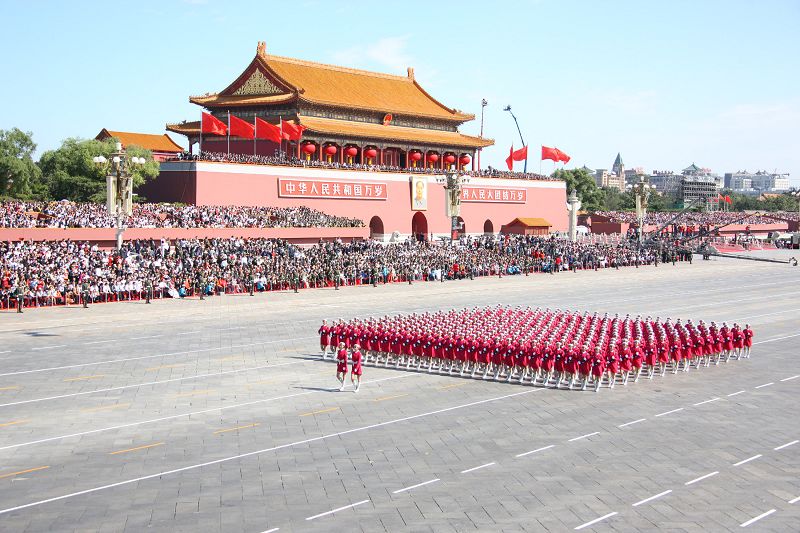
(707, 401)
(219, 431)
(757, 518)
(791, 378)
(147, 337)
(670, 412)
(5, 351)
(736, 393)
(452, 386)
(99, 342)
(194, 393)
(156, 382)
(13, 423)
(651, 498)
(105, 407)
(631, 423)
(778, 339)
(12, 474)
(188, 332)
(362, 502)
(136, 448)
(389, 397)
(201, 350)
(434, 480)
(273, 530)
(535, 451)
(795, 500)
(468, 470)
(747, 460)
(191, 413)
(49, 347)
(231, 358)
(584, 436)
(14, 387)
(175, 365)
(596, 520)
(84, 378)
(782, 446)
(266, 450)
(320, 412)
(701, 478)
(765, 385)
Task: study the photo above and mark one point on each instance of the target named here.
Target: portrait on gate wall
(419, 193)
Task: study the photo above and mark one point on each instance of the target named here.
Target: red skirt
(341, 368)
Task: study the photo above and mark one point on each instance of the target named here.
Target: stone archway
(375, 227)
(488, 227)
(419, 226)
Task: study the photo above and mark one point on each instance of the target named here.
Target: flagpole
(229, 132)
(255, 133)
(201, 133)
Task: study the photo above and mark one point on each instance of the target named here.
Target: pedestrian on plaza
(341, 365)
(355, 371)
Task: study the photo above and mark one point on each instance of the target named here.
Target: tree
(70, 173)
(616, 200)
(19, 175)
(583, 183)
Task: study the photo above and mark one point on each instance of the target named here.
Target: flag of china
(510, 158)
(241, 128)
(550, 153)
(562, 156)
(292, 132)
(521, 154)
(267, 131)
(212, 125)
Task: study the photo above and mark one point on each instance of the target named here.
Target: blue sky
(664, 83)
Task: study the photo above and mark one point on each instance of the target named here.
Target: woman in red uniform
(738, 340)
(324, 338)
(748, 340)
(355, 371)
(341, 364)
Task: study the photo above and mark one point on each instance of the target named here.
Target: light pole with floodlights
(484, 103)
(452, 182)
(119, 185)
(508, 108)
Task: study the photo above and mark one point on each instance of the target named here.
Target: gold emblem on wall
(257, 84)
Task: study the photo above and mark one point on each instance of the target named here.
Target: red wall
(207, 183)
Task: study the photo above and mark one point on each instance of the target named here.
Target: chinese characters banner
(494, 194)
(291, 188)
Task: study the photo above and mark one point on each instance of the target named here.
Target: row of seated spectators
(57, 272)
(706, 218)
(282, 160)
(66, 214)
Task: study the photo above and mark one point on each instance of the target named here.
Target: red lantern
(415, 156)
(330, 149)
(449, 159)
(309, 148)
(371, 153)
(464, 160)
(351, 151)
(433, 158)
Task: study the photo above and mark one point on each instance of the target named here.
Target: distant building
(756, 182)
(697, 184)
(665, 181)
(161, 146)
(614, 179)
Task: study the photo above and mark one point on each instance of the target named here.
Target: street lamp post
(453, 182)
(641, 190)
(119, 185)
(508, 108)
(484, 103)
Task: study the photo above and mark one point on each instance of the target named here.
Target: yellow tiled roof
(185, 128)
(538, 222)
(396, 133)
(214, 100)
(154, 143)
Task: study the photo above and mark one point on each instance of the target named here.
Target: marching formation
(534, 346)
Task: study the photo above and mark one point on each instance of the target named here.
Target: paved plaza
(219, 415)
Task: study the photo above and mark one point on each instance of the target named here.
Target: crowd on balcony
(66, 214)
(57, 272)
(282, 160)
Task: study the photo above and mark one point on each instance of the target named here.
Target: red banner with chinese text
(506, 195)
(294, 188)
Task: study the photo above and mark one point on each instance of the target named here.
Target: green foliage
(583, 183)
(19, 175)
(615, 200)
(70, 173)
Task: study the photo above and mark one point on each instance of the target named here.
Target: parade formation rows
(546, 347)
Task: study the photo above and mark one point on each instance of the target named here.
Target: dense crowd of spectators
(705, 218)
(66, 214)
(282, 160)
(47, 273)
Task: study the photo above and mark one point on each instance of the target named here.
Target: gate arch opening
(375, 227)
(419, 226)
(488, 227)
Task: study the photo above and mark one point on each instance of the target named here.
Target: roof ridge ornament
(410, 71)
(261, 49)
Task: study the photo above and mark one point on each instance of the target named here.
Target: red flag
(267, 131)
(728, 199)
(550, 153)
(521, 154)
(292, 132)
(213, 125)
(241, 128)
(562, 156)
(510, 158)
